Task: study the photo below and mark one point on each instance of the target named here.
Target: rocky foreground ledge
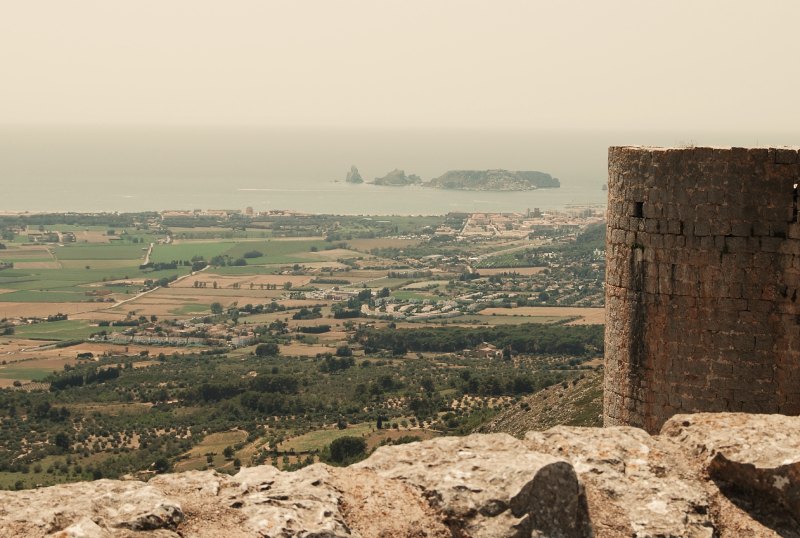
(705, 475)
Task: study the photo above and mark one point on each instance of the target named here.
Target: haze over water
(138, 168)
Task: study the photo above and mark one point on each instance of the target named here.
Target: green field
(189, 309)
(23, 374)
(56, 330)
(215, 444)
(100, 252)
(66, 280)
(186, 251)
(410, 295)
(273, 251)
(32, 296)
(391, 283)
(319, 439)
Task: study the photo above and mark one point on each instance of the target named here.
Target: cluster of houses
(225, 213)
(411, 310)
(332, 294)
(51, 237)
(186, 333)
(525, 225)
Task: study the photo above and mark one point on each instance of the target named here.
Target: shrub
(268, 349)
(348, 449)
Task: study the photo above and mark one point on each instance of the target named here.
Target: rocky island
(397, 178)
(493, 180)
(353, 176)
(467, 180)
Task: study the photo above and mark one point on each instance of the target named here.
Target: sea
(154, 168)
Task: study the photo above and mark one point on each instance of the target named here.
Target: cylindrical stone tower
(703, 271)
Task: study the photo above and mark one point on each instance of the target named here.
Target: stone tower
(703, 271)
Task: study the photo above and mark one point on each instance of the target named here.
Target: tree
(348, 449)
(544, 296)
(62, 441)
(228, 452)
(267, 349)
(427, 385)
(216, 308)
(278, 327)
(161, 465)
(364, 295)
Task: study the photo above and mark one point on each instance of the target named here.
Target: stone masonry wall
(703, 271)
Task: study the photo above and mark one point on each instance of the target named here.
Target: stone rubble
(705, 476)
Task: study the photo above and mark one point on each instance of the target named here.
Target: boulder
(277, 505)
(490, 485)
(202, 495)
(635, 484)
(749, 456)
(376, 506)
(113, 508)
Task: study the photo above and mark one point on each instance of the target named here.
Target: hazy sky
(637, 64)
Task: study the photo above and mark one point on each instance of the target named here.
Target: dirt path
(147, 256)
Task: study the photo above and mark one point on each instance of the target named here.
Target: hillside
(580, 403)
(493, 180)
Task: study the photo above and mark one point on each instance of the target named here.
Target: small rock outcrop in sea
(397, 178)
(353, 176)
(493, 180)
(706, 475)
